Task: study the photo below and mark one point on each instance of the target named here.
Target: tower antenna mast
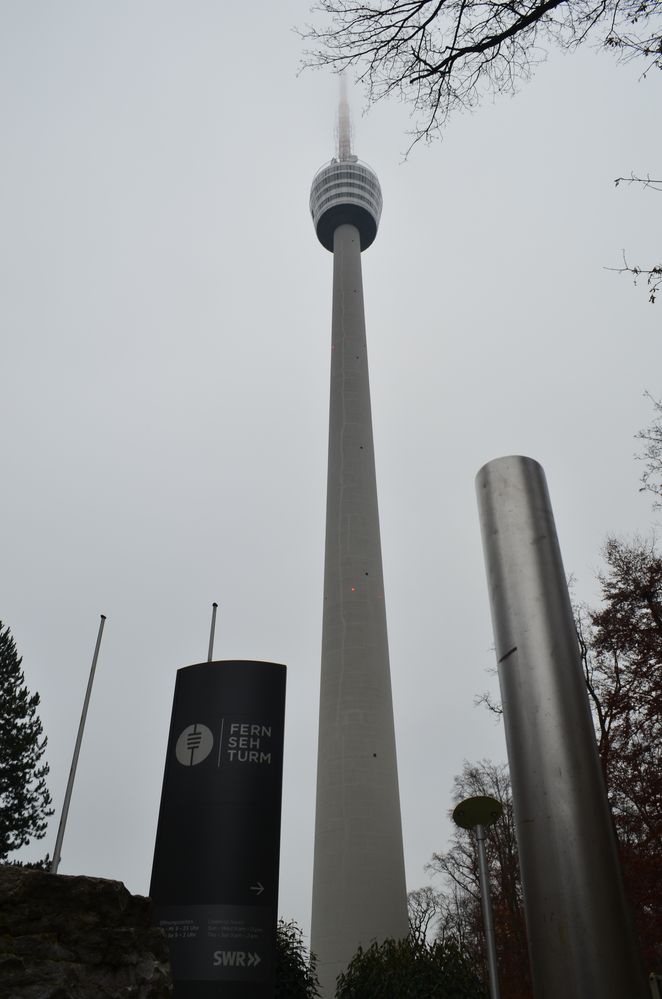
(344, 124)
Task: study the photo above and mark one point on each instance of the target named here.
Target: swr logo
(236, 959)
(194, 745)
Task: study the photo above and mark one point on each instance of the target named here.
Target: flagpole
(55, 863)
(210, 654)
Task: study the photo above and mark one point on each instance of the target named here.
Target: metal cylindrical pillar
(581, 940)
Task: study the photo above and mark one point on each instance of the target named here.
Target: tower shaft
(359, 892)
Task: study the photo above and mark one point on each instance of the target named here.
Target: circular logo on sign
(194, 745)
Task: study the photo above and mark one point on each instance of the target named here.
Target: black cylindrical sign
(215, 876)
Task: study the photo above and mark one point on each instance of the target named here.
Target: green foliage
(24, 797)
(296, 976)
(410, 969)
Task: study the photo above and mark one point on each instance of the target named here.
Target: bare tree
(459, 918)
(651, 455)
(423, 906)
(445, 55)
(653, 275)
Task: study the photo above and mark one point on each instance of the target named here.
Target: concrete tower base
(359, 892)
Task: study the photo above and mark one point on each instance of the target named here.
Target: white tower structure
(359, 892)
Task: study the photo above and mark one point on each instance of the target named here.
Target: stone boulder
(77, 938)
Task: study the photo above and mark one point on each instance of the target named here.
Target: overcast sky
(165, 324)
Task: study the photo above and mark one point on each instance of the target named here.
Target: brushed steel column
(581, 940)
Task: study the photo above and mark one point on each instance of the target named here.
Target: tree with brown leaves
(621, 646)
(621, 650)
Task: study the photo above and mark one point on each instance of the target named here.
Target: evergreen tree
(410, 969)
(24, 797)
(296, 974)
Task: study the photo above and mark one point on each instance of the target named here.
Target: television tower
(359, 891)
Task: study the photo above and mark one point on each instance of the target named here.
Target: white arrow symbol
(253, 960)
(258, 888)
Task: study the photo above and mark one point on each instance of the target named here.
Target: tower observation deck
(359, 892)
(346, 191)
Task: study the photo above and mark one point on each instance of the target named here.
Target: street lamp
(478, 813)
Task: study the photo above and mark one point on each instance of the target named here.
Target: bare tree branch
(650, 182)
(444, 56)
(653, 276)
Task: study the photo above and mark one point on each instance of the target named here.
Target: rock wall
(77, 938)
